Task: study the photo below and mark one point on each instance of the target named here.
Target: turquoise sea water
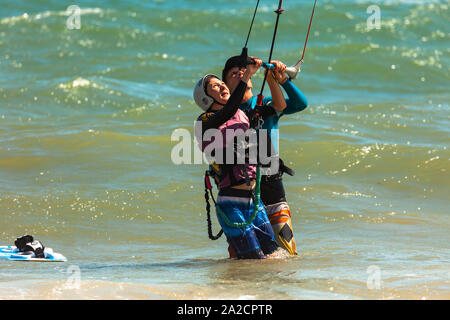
(86, 118)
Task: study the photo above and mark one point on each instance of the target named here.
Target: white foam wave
(42, 15)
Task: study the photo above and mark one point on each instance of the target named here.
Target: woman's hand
(251, 69)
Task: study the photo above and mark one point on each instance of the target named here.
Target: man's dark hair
(236, 61)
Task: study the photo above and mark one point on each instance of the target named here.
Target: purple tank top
(238, 121)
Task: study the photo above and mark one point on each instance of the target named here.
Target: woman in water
(236, 182)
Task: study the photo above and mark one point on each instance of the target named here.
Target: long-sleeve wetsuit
(230, 117)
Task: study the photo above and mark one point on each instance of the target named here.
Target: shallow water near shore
(86, 118)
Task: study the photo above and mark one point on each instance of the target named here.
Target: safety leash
(208, 188)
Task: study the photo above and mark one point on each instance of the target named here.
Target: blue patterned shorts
(253, 241)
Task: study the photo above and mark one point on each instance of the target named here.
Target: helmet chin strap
(222, 104)
(215, 101)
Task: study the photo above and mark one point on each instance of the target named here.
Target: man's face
(233, 77)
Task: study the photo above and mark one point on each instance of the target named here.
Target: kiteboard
(13, 254)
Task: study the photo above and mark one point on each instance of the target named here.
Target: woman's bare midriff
(244, 186)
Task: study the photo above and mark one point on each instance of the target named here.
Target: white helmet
(202, 99)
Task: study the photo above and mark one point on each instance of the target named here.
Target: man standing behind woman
(272, 190)
(241, 214)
